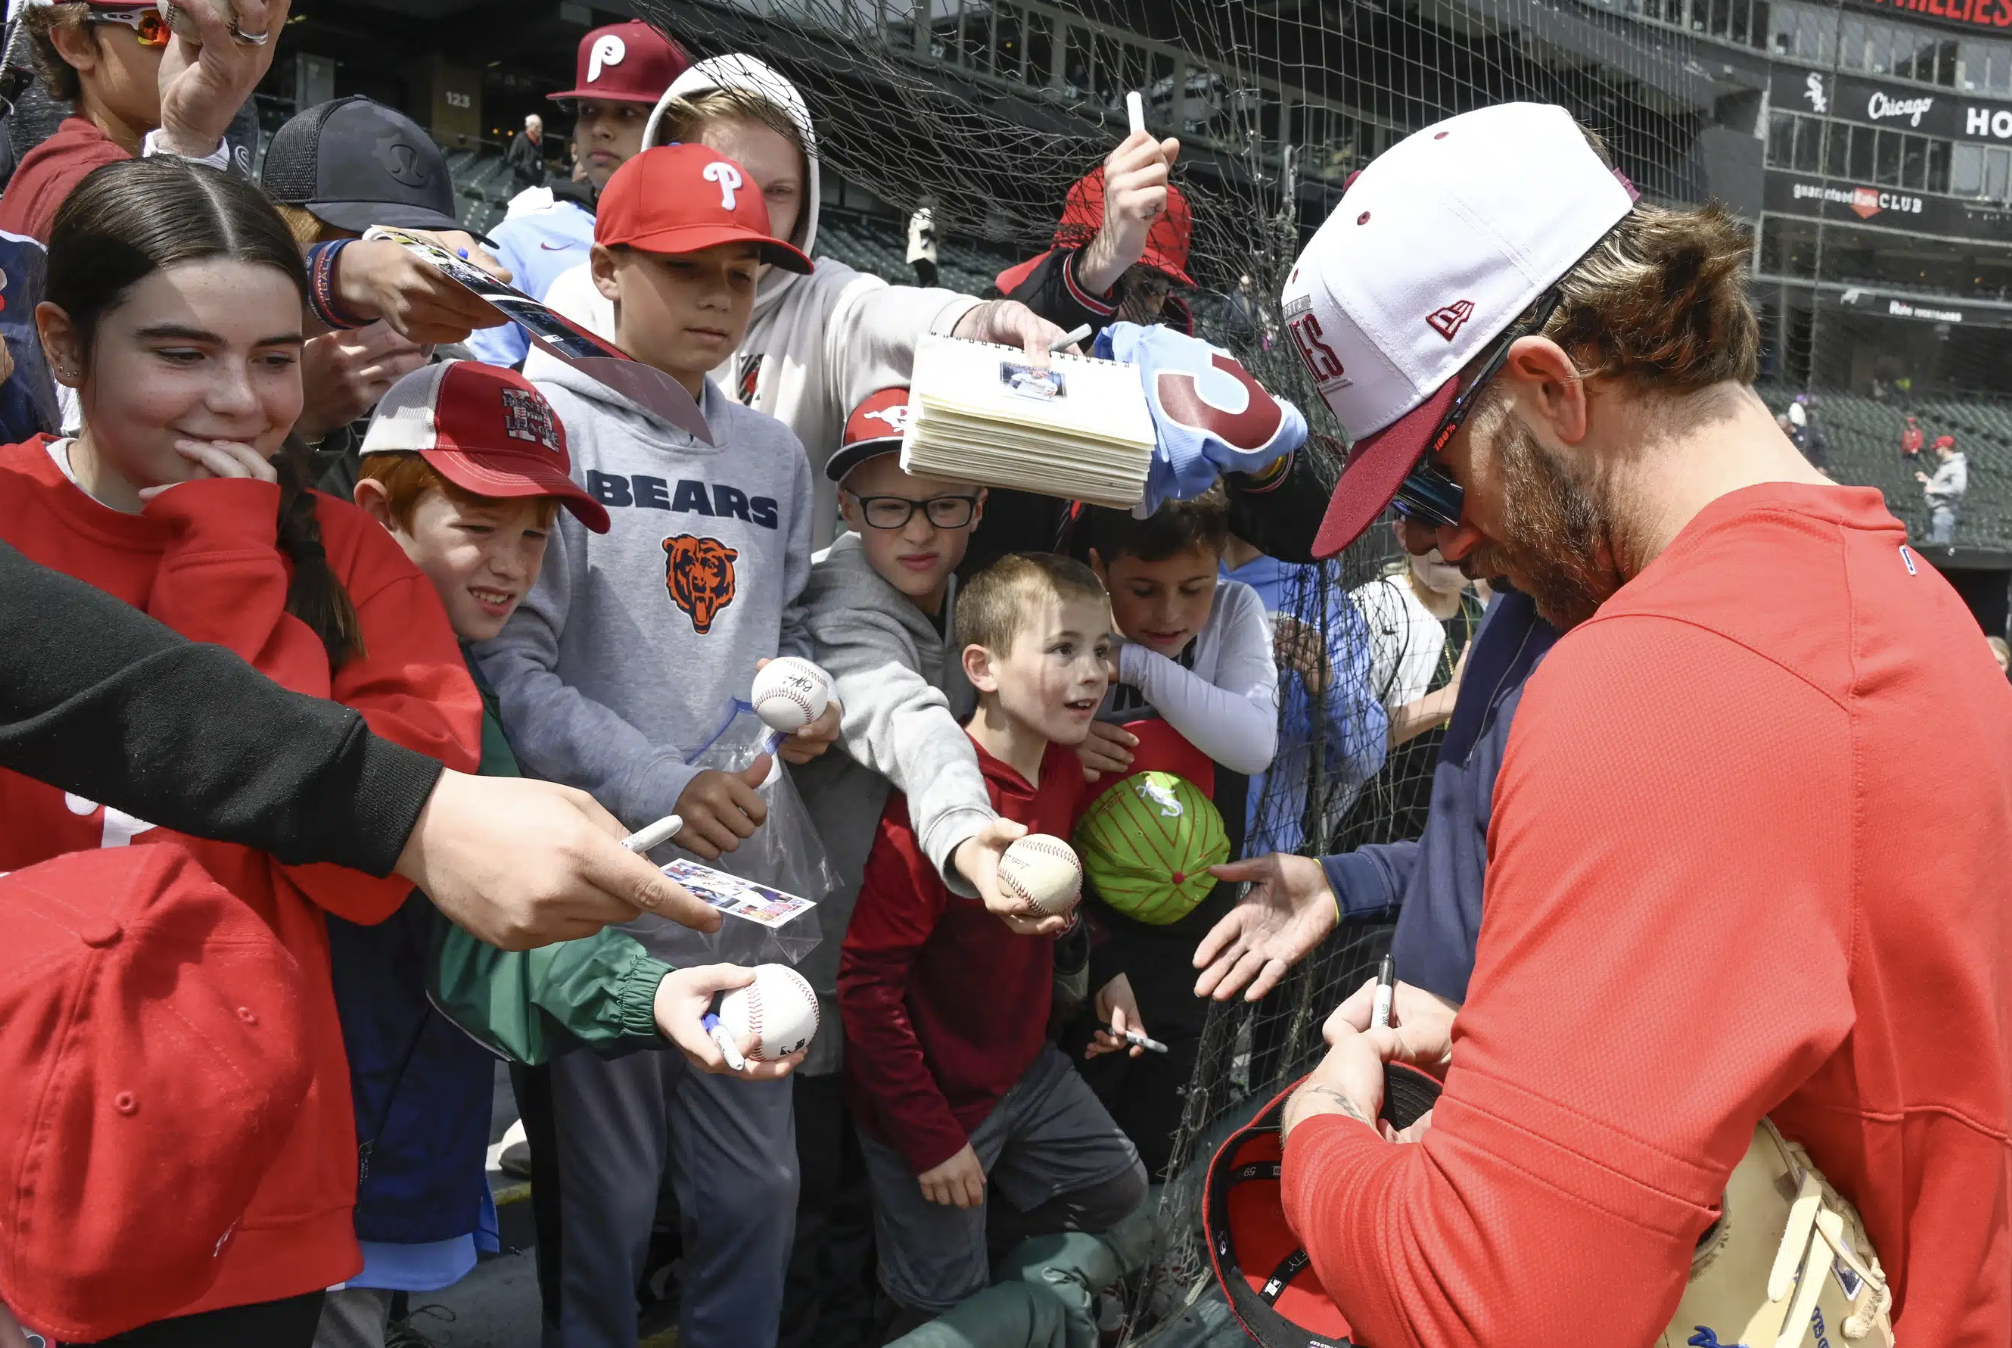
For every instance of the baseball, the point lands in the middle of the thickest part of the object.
(1043, 870)
(790, 693)
(772, 1017)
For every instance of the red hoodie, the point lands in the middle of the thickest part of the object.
(1748, 858)
(50, 172)
(944, 1008)
(203, 559)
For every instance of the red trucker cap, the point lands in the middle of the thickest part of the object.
(485, 429)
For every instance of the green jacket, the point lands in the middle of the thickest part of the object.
(530, 1006)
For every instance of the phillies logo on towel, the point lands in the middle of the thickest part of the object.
(1233, 407)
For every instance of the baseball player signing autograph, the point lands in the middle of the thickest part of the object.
(1696, 915)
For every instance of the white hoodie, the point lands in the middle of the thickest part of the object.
(817, 345)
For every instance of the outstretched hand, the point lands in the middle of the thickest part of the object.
(204, 80)
(523, 863)
(1288, 910)
(1137, 177)
(977, 860)
(1009, 323)
(684, 998)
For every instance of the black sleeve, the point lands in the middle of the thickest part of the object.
(1052, 291)
(99, 699)
(1278, 512)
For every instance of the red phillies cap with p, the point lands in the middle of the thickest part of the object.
(627, 63)
(1434, 250)
(486, 430)
(684, 198)
(153, 1032)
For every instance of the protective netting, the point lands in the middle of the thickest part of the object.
(988, 112)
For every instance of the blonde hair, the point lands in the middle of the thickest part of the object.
(305, 226)
(996, 604)
(685, 116)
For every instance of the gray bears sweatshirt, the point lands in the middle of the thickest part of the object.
(902, 686)
(626, 658)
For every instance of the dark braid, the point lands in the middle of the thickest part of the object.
(315, 597)
(126, 221)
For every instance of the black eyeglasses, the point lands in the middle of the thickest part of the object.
(1428, 494)
(894, 512)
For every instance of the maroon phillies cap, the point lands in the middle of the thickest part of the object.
(628, 63)
(153, 1037)
(685, 198)
(485, 429)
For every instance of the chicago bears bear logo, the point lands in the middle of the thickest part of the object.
(699, 572)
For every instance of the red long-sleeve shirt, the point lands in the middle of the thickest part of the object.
(944, 1008)
(202, 558)
(50, 172)
(1748, 858)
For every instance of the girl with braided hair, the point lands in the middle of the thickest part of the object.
(175, 307)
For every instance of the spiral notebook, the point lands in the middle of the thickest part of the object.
(1078, 429)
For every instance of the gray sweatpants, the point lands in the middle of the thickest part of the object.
(731, 1145)
(1049, 1149)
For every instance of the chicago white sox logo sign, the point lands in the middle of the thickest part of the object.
(729, 179)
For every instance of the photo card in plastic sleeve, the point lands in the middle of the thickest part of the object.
(742, 898)
(560, 337)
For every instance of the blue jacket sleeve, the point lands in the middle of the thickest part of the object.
(1369, 883)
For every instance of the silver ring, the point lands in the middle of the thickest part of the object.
(250, 39)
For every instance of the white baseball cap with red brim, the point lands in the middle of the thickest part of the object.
(487, 430)
(1434, 250)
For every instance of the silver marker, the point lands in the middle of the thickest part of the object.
(643, 839)
(1386, 988)
(1069, 339)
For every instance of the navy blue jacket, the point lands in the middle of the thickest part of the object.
(1434, 884)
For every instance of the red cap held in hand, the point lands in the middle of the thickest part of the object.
(685, 198)
(152, 1037)
(627, 63)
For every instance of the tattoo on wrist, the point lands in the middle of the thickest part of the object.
(1342, 1102)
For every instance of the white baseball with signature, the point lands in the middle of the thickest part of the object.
(790, 693)
(772, 1017)
(1043, 870)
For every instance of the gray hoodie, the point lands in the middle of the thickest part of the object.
(905, 697)
(626, 658)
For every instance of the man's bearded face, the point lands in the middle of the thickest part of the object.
(1557, 540)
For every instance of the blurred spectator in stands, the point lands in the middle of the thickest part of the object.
(1789, 428)
(620, 73)
(1810, 437)
(527, 154)
(1120, 249)
(922, 244)
(2001, 652)
(1328, 709)
(1910, 440)
(1421, 618)
(1944, 491)
(136, 89)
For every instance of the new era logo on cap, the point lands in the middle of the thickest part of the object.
(1435, 248)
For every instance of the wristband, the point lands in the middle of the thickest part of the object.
(321, 259)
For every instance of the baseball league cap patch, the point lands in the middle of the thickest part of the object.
(1434, 250)
(485, 429)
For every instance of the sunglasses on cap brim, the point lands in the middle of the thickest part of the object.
(1428, 493)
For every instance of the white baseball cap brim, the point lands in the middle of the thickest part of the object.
(1434, 250)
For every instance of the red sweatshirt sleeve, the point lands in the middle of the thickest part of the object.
(1663, 958)
(223, 579)
(901, 896)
